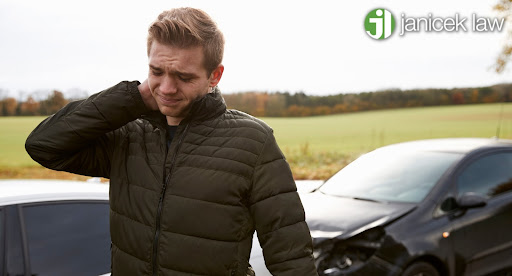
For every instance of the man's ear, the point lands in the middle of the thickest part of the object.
(216, 75)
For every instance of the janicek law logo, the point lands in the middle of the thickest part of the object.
(379, 24)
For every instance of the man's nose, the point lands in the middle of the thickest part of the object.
(168, 85)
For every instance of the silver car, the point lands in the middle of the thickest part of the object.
(58, 227)
(54, 227)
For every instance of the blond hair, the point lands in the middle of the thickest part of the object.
(189, 27)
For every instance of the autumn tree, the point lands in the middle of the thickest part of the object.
(53, 103)
(30, 107)
(504, 8)
(9, 106)
(276, 105)
(457, 98)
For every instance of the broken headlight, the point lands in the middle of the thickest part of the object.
(339, 257)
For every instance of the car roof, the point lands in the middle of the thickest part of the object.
(457, 145)
(26, 191)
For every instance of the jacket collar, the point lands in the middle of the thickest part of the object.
(208, 107)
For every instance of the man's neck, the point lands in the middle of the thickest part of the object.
(173, 121)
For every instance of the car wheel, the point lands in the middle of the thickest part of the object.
(420, 269)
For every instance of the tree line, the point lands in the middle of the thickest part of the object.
(9, 106)
(299, 104)
(284, 104)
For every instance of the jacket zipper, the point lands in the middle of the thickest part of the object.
(161, 201)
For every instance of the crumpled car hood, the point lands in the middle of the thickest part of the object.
(330, 216)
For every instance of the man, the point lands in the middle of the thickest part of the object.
(189, 180)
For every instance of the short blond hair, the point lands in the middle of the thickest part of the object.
(189, 27)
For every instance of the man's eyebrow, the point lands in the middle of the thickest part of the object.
(183, 74)
(155, 67)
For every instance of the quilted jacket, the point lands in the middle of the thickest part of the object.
(190, 208)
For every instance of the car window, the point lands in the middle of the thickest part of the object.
(398, 176)
(488, 176)
(68, 238)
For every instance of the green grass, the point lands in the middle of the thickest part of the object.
(14, 132)
(316, 147)
(360, 132)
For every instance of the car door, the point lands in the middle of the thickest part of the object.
(485, 241)
(58, 238)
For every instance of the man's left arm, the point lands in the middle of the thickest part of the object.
(279, 216)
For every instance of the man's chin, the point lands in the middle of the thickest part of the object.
(172, 112)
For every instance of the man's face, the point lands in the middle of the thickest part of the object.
(177, 78)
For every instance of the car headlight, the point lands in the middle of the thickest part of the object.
(338, 257)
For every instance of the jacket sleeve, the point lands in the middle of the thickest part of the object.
(279, 215)
(80, 137)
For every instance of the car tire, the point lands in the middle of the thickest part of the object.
(420, 269)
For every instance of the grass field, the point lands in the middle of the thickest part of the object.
(316, 147)
(360, 132)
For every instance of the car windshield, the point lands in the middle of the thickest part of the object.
(384, 175)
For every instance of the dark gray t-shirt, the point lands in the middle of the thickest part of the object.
(171, 130)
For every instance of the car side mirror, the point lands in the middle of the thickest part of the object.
(471, 200)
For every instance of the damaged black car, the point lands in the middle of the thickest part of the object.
(431, 207)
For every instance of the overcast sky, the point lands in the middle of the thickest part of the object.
(318, 47)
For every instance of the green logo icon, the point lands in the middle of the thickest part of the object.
(379, 24)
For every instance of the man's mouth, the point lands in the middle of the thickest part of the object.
(169, 101)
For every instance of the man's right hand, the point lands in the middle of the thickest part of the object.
(147, 97)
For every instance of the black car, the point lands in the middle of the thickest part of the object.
(431, 207)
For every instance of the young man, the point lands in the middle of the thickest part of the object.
(189, 180)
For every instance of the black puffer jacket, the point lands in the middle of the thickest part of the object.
(191, 209)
